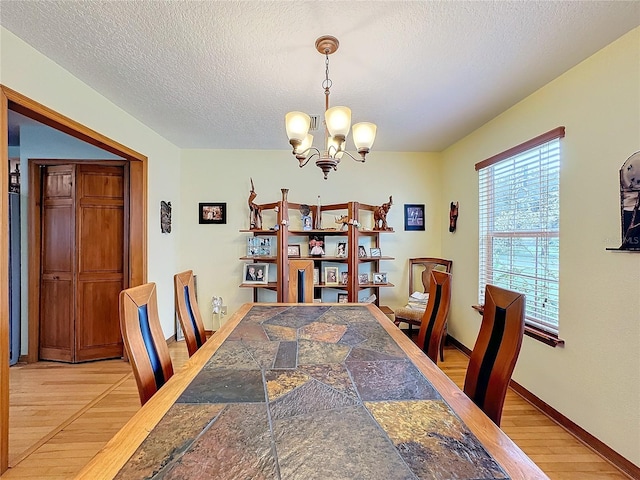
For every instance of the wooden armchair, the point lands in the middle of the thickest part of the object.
(143, 339)
(188, 311)
(434, 319)
(496, 350)
(419, 278)
(300, 281)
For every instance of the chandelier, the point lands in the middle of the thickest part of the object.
(337, 123)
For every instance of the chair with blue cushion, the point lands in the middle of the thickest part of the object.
(495, 353)
(188, 311)
(434, 320)
(144, 340)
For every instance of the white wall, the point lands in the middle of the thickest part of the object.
(595, 379)
(32, 74)
(213, 251)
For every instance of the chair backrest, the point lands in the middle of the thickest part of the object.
(143, 339)
(420, 270)
(300, 281)
(496, 350)
(435, 315)
(188, 311)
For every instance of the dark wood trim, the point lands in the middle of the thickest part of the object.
(557, 132)
(4, 295)
(577, 431)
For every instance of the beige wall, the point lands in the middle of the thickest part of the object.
(213, 251)
(595, 379)
(32, 74)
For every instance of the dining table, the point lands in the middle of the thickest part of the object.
(310, 391)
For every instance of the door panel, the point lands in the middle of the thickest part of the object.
(57, 298)
(100, 276)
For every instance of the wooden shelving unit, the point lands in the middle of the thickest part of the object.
(352, 235)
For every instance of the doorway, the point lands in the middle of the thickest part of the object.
(136, 239)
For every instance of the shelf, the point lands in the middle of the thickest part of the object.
(261, 259)
(336, 232)
(339, 286)
(260, 232)
(374, 232)
(270, 285)
(375, 285)
(372, 259)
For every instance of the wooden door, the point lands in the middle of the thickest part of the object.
(57, 280)
(82, 262)
(100, 264)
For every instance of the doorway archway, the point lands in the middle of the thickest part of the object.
(137, 237)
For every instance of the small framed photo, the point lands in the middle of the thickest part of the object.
(343, 298)
(379, 278)
(413, 216)
(341, 250)
(258, 247)
(316, 276)
(363, 278)
(293, 250)
(344, 278)
(255, 273)
(331, 276)
(212, 213)
(375, 252)
(362, 252)
(316, 245)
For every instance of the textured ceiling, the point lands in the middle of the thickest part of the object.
(222, 74)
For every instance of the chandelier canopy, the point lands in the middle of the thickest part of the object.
(337, 123)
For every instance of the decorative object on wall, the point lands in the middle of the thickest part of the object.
(630, 203)
(255, 213)
(453, 216)
(212, 213)
(380, 216)
(414, 216)
(337, 121)
(14, 175)
(165, 216)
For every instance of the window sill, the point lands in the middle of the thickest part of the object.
(532, 332)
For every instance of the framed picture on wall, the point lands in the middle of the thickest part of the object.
(212, 213)
(413, 216)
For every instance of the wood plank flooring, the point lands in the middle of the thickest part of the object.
(62, 415)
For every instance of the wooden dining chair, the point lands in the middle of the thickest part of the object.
(495, 353)
(144, 340)
(188, 311)
(434, 319)
(300, 281)
(419, 277)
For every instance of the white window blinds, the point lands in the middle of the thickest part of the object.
(519, 205)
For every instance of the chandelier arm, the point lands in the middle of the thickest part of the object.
(361, 159)
(303, 161)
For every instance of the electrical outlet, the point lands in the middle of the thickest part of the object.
(223, 310)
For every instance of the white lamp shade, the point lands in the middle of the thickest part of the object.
(338, 121)
(306, 143)
(364, 134)
(332, 148)
(297, 124)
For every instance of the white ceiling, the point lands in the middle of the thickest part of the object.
(222, 74)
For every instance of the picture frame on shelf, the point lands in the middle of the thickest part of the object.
(293, 250)
(341, 250)
(258, 247)
(362, 252)
(316, 276)
(331, 276)
(379, 278)
(316, 245)
(414, 216)
(343, 298)
(363, 278)
(344, 278)
(375, 252)
(212, 213)
(255, 273)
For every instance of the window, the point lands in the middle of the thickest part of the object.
(519, 205)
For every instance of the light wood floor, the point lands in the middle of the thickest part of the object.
(62, 415)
